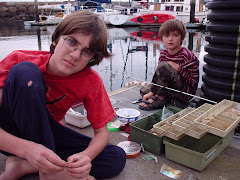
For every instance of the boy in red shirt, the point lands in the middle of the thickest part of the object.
(36, 90)
(178, 68)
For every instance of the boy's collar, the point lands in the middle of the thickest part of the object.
(175, 52)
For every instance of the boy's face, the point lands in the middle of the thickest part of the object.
(172, 40)
(71, 54)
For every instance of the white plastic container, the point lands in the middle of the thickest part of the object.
(76, 119)
(127, 115)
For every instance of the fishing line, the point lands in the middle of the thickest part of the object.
(165, 87)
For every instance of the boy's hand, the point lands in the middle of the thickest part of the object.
(79, 165)
(44, 159)
(173, 64)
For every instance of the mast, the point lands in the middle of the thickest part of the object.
(192, 10)
(68, 11)
(36, 11)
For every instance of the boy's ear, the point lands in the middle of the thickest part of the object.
(54, 43)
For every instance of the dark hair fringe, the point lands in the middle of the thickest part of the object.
(87, 23)
(173, 25)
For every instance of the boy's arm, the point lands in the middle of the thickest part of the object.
(98, 142)
(40, 157)
(79, 165)
(190, 72)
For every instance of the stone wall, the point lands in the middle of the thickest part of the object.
(17, 12)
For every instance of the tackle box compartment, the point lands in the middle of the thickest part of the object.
(139, 131)
(217, 119)
(196, 153)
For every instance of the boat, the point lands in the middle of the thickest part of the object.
(126, 14)
(101, 9)
(183, 10)
(106, 13)
(51, 18)
(152, 18)
(122, 20)
(47, 20)
(192, 15)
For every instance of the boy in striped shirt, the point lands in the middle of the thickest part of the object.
(178, 68)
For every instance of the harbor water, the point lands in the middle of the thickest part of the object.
(134, 57)
(136, 51)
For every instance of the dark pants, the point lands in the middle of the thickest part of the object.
(167, 76)
(24, 114)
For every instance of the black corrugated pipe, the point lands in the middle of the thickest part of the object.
(221, 79)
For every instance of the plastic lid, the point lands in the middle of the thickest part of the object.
(110, 128)
(132, 149)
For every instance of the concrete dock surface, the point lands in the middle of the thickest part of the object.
(226, 166)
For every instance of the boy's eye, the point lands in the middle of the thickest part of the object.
(86, 53)
(71, 42)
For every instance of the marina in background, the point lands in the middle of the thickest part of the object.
(136, 51)
(115, 13)
(135, 54)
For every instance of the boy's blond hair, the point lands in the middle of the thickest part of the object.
(173, 25)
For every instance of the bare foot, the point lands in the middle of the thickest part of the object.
(90, 178)
(63, 175)
(16, 167)
(143, 104)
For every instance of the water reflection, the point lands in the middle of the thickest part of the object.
(136, 54)
(136, 51)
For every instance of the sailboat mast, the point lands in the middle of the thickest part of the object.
(36, 11)
(192, 11)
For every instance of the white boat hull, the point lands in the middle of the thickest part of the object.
(122, 20)
(50, 20)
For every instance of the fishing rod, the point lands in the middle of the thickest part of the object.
(165, 87)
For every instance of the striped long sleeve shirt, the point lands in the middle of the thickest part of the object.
(188, 68)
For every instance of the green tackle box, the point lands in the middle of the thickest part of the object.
(196, 153)
(139, 132)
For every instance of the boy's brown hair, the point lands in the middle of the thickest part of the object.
(87, 23)
(173, 25)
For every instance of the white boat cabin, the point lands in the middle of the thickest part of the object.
(181, 9)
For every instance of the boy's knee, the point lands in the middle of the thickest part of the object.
(24, 72)
(24, 67)
(120, 161)
(115, 161)
(162, 64)
(145, 90)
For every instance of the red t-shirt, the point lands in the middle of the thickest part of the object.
(188, 68)
(85, 86)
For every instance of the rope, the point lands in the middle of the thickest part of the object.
(165, 87)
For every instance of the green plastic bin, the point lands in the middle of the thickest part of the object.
(139, 132)
(196, 153)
